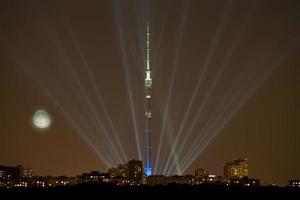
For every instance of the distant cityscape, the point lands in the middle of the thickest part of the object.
(132, 174)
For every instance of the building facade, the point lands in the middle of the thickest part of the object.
(135, 172)
(236, 169)
(27, 173)
(13, 173)
(294, 183)
(201, 173)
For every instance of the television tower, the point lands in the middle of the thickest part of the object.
(148, 115)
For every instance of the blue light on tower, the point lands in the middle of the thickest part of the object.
(148, 171)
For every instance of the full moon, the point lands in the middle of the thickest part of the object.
(41, 119)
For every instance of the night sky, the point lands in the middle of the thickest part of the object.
(231, 67)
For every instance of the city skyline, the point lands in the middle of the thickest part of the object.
(207, 171)
(133, 173)
(74, 85)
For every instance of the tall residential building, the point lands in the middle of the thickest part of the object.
(14, 173)
(135, 171)
(236, 169)
(148, 114)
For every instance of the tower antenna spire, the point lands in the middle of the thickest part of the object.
(148, 46)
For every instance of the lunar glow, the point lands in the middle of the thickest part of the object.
(41, 119)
